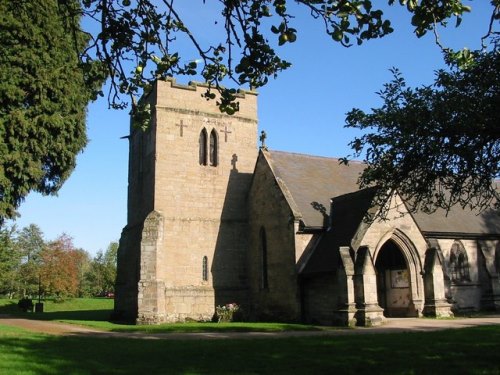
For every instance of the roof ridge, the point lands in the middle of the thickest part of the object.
(313, 156)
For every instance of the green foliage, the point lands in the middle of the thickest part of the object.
(28, 262)
(437, 146)
(151, 36)
(31, 245)
(10, 259)
(102, 271)
(44, 90)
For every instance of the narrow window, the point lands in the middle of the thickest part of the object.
(203, 147)
(205, 269)
(213, 148)
(497, 258)
(264, 282)
(459, 263)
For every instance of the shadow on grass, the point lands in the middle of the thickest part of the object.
(11, 308)
(213, 327)
(464, 351)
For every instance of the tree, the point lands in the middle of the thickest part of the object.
(31, 244)
(44, 91)
(10, 260)
(59, 269)
(438, 146)
(102, 272)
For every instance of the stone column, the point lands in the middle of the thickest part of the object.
(346, 308)
(151, 295)
(435, 300)
(365, 286)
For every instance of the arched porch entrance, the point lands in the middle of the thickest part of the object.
(394, 286)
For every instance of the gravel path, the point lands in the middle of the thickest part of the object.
(392, 325)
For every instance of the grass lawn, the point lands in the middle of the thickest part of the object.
(462, 351)
(95, 312)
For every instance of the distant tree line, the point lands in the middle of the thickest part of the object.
(30, 265)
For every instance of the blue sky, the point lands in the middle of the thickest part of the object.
(302, 111)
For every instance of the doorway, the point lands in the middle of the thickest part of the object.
(393, 281)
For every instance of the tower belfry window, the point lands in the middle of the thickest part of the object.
(203, 147)
(213, 148)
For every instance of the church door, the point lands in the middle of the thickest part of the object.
(393, 281)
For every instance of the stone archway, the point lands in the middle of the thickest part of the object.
(393, 281)
(398, 287)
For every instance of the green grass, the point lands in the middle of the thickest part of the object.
(460, 351)
(82, 309)
(198, 327)
(95, 313)
(463, 351)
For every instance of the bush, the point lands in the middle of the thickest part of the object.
(225, 313)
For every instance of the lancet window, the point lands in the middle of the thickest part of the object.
(459, 263)
(205, 268)
(209, 148)
(264, 282)
(203, 147)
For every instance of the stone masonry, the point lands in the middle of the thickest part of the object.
(186, 235)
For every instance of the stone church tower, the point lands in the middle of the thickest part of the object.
(183, 249)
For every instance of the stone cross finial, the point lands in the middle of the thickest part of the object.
(262, 138)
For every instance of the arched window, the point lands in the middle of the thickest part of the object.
(459, 264)
(213, 148)
(205, 269)
(264, 282)
(497, 258)
(203, 147)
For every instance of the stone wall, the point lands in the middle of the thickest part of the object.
(269, 210)
(320, 298)
(203, 207)
(464, 295)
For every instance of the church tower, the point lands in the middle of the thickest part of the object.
(183, 250)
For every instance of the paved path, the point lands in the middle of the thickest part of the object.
(392, 325)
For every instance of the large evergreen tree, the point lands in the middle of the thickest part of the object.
(44, 91)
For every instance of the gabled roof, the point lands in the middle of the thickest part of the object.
(347, 213)
(312, 181)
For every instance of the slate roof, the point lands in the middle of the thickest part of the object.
(313, 181)
(459, 221)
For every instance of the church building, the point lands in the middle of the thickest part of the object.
(215, 219)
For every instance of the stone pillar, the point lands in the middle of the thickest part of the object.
(127, 276)
(365, 286)
(151, 295)
(435, 300)
(346, 308)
